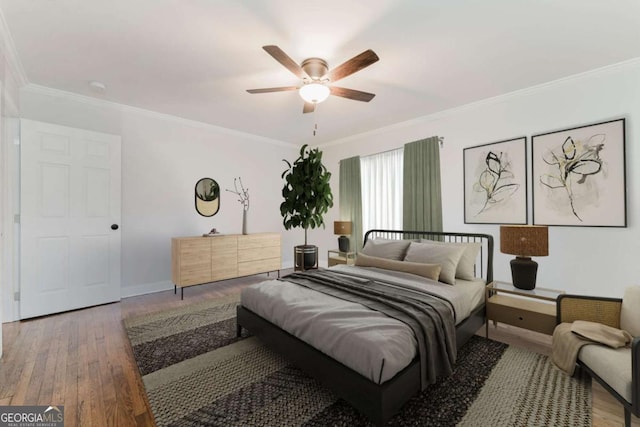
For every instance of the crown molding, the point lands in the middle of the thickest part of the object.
(608, 69)
(9, 50)
(123, 108)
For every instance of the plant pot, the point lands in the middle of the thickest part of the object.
(305, 257)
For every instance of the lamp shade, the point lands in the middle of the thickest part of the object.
(314, 92)
(342, 228)
(524, 240)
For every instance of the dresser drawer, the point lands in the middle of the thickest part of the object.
(257, 241)
(261, 266)
(257, 254)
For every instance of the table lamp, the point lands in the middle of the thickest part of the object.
(524, 241)
(343, 229)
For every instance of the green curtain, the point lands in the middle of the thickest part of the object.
(351, 199)
(422, 197)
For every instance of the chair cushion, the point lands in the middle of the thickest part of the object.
(612, 365)
(629, 314)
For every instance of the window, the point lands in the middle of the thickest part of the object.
(381, 176)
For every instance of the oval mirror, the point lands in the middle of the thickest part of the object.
(207, 197)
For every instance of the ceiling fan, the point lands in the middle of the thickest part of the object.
(317, 79)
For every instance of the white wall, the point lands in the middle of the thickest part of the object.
(162, 158)
(586, 260)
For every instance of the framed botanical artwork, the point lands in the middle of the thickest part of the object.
(578, 176)
(495, 182)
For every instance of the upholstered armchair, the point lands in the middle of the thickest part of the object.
(618, 370)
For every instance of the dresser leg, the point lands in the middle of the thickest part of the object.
(181, 293)
(175, 289)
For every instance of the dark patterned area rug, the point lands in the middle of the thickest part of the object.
(196, 373)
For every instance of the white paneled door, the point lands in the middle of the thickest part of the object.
(69, 218)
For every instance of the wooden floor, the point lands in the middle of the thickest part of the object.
(83, 360)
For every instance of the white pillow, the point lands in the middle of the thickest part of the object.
(629, 313)
(445, 255)
(386, 248)
(465, 269)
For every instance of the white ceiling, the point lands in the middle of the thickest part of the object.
(196, 58)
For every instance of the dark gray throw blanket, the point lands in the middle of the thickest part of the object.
(430, 317)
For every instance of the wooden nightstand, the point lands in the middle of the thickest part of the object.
(335, 257)
(534, 310)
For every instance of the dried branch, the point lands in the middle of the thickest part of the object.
(242, 193)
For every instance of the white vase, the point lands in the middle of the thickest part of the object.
(244, 221)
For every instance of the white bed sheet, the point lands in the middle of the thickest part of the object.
(370, 343)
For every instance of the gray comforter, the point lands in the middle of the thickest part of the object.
(430, 317)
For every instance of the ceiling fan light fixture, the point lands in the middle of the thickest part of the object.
(316, 77)
(314, 92)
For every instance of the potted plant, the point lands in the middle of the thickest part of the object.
(307, 197)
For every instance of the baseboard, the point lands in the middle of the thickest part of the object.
(145, 288)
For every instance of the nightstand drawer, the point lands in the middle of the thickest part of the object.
(335, 257)
(532, 315)
(337, 261)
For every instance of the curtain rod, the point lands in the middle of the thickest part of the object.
(440, 140)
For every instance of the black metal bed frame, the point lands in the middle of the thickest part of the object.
(379, 402)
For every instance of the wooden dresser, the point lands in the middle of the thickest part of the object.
(198, 260)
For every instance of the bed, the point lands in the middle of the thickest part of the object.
(267, 311)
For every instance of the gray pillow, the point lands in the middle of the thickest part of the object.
(445, 255)
(465, 269)
(386, 248)
(430, 271)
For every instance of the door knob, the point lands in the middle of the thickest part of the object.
(114, 226)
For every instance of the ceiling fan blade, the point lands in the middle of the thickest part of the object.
(356, 95)
(309, 107)
(272, 89)
(279, 55)
(356, 63)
